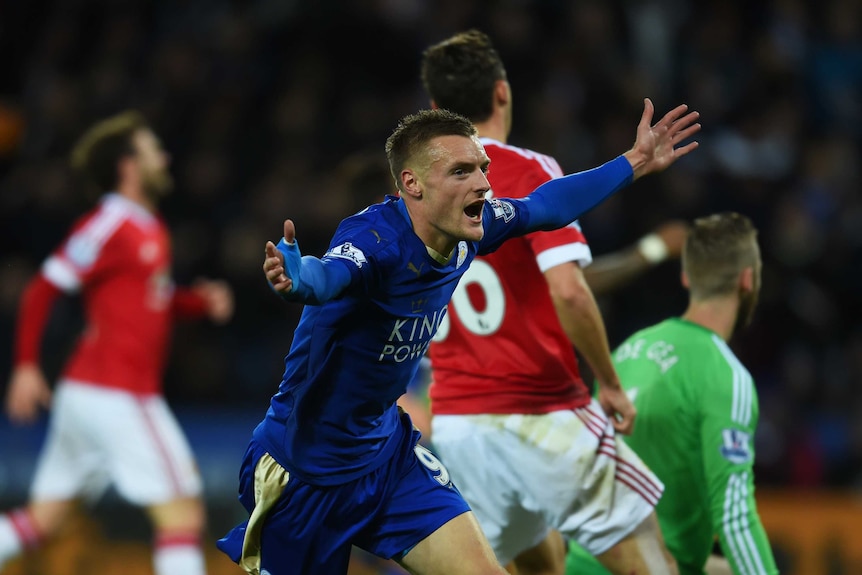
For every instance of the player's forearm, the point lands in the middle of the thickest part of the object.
(735, 519)
(35, 309)
(614, 270)
(314, 281)
(747, 548)
(560, 201)
(582, 322)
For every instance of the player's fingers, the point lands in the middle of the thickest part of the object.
(283, 286)
(289, 231)
(270, 250)
(646, 117)
(673, 115)
(685, 121)
(683, 150)
(685, 134)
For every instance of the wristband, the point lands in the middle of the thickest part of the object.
(652, 248)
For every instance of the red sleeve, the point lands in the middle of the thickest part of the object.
(35, 308)
(188, 304)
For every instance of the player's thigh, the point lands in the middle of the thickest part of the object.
(456, 548)
(150, 458)
(501, 474)
(419, 498)
(641, 551)
(549, 556)
(71, 464)
(615, 490)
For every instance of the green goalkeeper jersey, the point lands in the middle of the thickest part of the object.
(696, 415)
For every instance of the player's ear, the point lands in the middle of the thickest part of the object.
(683, 279)
(502, 92)
(410, 184)
(746, 280)
(434, 105)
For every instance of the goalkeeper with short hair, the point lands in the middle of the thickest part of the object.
(697, 407)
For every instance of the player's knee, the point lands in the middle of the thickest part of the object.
(185, 515)
(49, 516)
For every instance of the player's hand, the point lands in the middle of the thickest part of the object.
(618, 407)
(218, 296)
(657, 146)
(273, 263)
(28, 391)
(673, 233)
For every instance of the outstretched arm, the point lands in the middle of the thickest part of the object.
(305, 279)
(562, 200)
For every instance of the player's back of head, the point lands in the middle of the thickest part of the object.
(460, 73)
(717, 249)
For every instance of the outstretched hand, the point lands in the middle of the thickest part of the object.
(273, 263)
(657, 146)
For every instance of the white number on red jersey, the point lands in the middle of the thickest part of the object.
(483, 322)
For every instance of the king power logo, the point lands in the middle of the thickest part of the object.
(410, 336)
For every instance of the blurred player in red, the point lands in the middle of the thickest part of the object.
(505, 380)
(109, 421)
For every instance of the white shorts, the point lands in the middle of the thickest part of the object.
(524, 475)
(99, 436)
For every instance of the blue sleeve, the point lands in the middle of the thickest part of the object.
(315, 281)
(560, 201)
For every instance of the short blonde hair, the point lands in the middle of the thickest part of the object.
(717, 249)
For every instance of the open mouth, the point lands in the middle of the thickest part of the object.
(474, 211)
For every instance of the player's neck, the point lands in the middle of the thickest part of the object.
(717, 314)
(494, 128)
(137, 195)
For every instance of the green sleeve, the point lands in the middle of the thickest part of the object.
(729, 417)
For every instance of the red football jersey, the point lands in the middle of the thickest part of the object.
(118, 256)
(502, 348)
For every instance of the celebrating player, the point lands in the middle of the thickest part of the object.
(335, 462)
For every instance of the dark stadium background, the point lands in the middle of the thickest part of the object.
(279, 108)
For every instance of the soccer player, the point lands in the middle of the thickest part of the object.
(335, 462)
(109, 421)
(505, 377)
(697, 406)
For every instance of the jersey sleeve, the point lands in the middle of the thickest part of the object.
(729, 417)
(361, 249)
(83, 253)
(554, 247)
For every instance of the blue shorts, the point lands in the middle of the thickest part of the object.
(311, 528)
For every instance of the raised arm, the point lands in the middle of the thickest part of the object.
(299, 278)
(559, 201)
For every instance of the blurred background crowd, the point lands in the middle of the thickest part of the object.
(280, 108)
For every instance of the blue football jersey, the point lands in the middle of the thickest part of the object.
(334, 417)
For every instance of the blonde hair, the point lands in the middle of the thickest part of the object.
(717, 249)
(98, 151)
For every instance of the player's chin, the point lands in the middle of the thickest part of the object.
(473, 232)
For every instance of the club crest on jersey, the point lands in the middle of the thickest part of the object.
(348, 251)
(736, 446)
(462, 254)
(502, 209)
